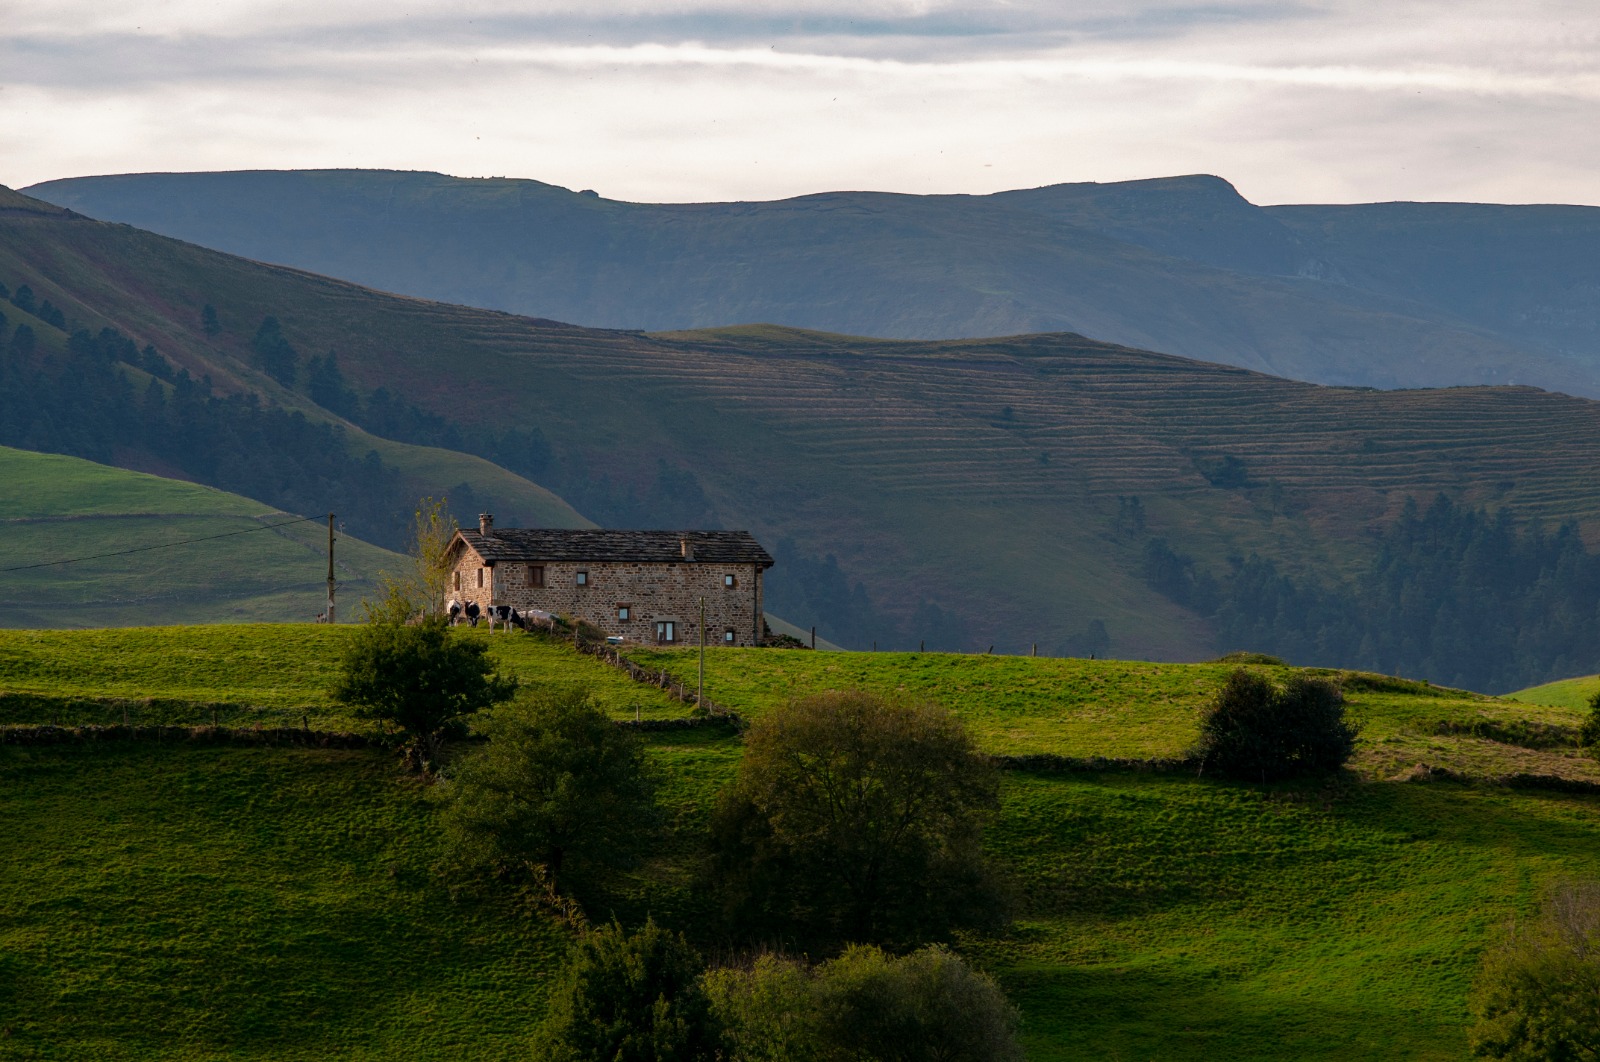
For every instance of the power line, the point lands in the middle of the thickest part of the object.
(164, 545)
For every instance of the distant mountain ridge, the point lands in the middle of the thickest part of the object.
(1385, 295)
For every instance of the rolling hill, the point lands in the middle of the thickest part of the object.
(250, 563)
(969, 493)
(1390, 295)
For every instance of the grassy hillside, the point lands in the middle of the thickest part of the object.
(273, 674)
(983, 480)
(1183, 265)
(61, 508)
(1572, 694)
(102, 275)
(1162, 916)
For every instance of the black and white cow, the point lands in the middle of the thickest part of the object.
(473, 611)
(454, 608)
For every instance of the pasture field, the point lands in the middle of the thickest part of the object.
(1019, 705)
(245, 562)
(1572, 693)
(198, 903)
(272, 674)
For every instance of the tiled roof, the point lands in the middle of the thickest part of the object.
(605, 544)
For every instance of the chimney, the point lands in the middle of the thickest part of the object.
(686, 548)
(485, 523)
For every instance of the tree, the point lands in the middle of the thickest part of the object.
(859, 818)
(865, 1006)
(208, 320)
(558, 785)
(423, 588)
(274, 353)
(1537, 995)
(1257, 730)
(419, 681)
(629, 997)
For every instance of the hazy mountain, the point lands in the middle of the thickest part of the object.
(1398, 295)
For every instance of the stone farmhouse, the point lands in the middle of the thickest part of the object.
(644, 586)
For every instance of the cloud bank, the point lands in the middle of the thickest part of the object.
(1322, 100)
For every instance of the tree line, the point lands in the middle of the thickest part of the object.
(1453, 594)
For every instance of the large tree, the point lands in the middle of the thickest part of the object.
(856, 818)
(558, 786)
(420, 680)
(1255, 730)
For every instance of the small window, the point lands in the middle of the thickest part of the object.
(583, 578)
(730, 581)
(536, 576)
(727, 635)
(624, 611)
(457, 585)
(480, 578)
(666, 632)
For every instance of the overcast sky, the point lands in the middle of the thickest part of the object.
(1314, 101)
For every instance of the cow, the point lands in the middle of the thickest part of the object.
(500, 614)
(473, 612)
(454, 608)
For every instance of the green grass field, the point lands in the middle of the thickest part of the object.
(274, 674)
(64, 508)
(1572, 693)
(1073, 707)
(197, 903)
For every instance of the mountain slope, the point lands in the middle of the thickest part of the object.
(1183, 265)
(962, 493)
(253, 565)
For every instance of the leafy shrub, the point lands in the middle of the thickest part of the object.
(865, 1006)
(1537, 995)
(859, 818)
(557, 786)
(629, 997)
(419, 681)
(1257, 730)
(1589, 735)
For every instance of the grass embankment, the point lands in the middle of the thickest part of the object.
(199, 903)
(1139, 710)
(242, 674)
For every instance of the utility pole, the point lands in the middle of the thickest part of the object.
(700, 694)
(330, 568)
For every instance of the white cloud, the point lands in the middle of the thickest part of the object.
(1330, 100)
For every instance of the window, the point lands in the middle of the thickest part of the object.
(727, 636)
(480, 578)
(666, 632)
(730, 581)
(624, 611)
(583, 578)
(536, 576)
(457, 584)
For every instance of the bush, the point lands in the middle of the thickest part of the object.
(865, 1006)
(419, 681)
(1589, 735)
(1257, 730)
(557, 786)
(768, 1012)
(1537, 995)
(629, 997)
(856, 818)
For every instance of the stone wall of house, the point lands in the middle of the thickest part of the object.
(652, 593)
